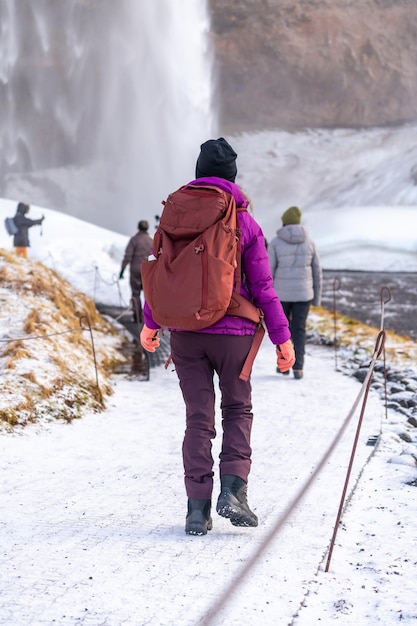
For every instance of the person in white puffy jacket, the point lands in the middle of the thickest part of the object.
(297, 273)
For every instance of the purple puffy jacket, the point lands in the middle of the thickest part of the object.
(257, 284)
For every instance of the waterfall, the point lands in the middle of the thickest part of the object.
(104, 104)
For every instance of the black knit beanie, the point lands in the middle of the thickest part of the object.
(143, 226)
(217, 158)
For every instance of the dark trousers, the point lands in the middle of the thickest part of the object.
(137, 305)
(297, 313)
(197, 357)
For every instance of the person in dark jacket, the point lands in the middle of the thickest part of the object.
(138, 249)
(222, 349)
(23, 223)
(297, 273)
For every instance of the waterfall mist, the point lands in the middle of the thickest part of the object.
(104, 104)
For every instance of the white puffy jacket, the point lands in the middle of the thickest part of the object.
(295, 265)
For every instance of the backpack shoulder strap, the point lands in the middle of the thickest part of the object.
(239, 251)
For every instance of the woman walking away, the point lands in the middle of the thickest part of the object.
(297, 273)
(222, 349)
(23, 223)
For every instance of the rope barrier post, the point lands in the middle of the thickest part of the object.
(117, 281)
(85, 317)
(378, 348)
(336, 287)
(138, 314)
(384, 301)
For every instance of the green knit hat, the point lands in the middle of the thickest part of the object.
(291, 216)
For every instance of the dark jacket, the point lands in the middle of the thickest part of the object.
(138, 249)
(23, 223)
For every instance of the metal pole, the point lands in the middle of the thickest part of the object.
(378, 348)
(336, 287)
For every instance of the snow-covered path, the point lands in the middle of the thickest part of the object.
(92, 513)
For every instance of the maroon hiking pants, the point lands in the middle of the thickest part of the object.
(197, 356)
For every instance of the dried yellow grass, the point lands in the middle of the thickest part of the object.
(56, 341)
(349, 332)
(33, 324)
(8, 256)
(30, 376)
(9, 416)
(15, 350)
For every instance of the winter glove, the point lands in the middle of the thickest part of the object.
(121, 274)
(285, 356)
(149, 338)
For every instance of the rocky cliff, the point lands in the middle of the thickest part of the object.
(286, 64)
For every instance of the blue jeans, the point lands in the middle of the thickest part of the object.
(297, 313)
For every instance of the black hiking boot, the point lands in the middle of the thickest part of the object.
(233, 504)
(198, 520)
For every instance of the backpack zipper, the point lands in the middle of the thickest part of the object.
(202, 250)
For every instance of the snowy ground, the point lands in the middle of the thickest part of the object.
(92, 512)
(92, 524)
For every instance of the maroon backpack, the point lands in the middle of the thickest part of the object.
(189, 285)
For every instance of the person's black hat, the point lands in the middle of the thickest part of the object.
(217, 158)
